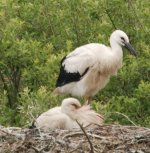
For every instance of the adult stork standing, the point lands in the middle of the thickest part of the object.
(87, 69)
(65, 116)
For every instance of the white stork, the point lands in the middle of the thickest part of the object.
(65, 117)
(87, 69)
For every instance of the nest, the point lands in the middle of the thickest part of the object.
(100, 139)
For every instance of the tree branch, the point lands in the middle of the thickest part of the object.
(91, 145)
(113, 23)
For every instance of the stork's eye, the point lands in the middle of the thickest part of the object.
(122, 38)
(76, 106)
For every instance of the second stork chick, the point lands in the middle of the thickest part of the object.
(65, 116)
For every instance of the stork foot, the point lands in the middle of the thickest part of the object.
(90, 100)
(87, 101)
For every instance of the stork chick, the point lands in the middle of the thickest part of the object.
(65, 117)
(87, 69)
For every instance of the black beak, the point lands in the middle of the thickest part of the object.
(130, 48)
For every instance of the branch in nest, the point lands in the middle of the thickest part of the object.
(91, 145)
(18, 136)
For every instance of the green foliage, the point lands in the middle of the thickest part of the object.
(35, 35)
(32, 104)
(135, 107)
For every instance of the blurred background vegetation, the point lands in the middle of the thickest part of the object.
(36, 34)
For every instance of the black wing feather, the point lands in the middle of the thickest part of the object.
(67, 77)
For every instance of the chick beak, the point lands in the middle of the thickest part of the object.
(130, 48)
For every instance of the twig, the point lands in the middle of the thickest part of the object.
(74, 150)
(34, 120)
(137, 17)
(126, 117)
(36, 149)
(96, 136)
(88, 134)
(113, 23)
(78, 146)
(72, 134)
(12, 134)
(47, 14)
(74, 19)
(91, 145)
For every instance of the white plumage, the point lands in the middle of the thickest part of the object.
(87, 69)
(65, 117)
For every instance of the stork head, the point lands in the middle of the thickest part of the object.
(69, 106)
(122, 39)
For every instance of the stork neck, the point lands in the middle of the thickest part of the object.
(70, 113)
(116, 48)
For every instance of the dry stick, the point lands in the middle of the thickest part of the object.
(12, 134)
(35, 149)
(74, 150)
(77, 147)
(137, 17)
(49, 18)
(113, 23)
(36, 126)
(88, 134)
(8, 133)
(91, 145)
(126, 117)
(72, 134)
(74, 21)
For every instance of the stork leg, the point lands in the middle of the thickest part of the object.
(85, 100)
(90, 100)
